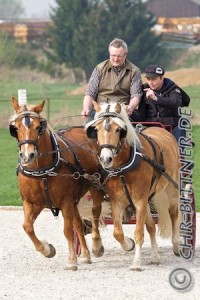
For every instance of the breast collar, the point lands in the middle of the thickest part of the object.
(132, 164)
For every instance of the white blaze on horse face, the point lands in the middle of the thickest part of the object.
(27, 150)
(108, 140)
(106, 158)
(106, 155)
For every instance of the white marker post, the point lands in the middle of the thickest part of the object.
(22, 98)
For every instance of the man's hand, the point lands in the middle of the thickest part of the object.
(85, 113)
(129, 109)
(150, 94)
(133, 104)
(87, 104)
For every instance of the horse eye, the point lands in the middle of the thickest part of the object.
(38, 127)
(118, 129)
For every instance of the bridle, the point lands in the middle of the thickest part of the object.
(45, 171)
(106, 116)
(27, 115)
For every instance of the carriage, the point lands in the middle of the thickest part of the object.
(55, 171)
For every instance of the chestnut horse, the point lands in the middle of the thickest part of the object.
(139, 167)
(51, 174)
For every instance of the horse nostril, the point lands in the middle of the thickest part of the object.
(109, 160)
(31, 156)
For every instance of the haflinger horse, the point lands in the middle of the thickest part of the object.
(50, 174)
(139, 166)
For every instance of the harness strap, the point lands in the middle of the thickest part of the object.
(123, 180)
(161, 168)
(155, 160)
(54, 210)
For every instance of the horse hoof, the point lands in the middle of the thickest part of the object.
(133, 245)
(71, 268)
(176, 253)
(137, 269)
(98, 253)
(52, 251)
(85, 260)
(155, 263)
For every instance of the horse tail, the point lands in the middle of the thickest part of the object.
(162, 203)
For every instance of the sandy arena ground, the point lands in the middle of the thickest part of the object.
(26, 274)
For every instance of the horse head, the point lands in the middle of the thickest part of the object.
(27, 126)
(111, 128)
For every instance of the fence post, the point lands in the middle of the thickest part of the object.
(48, 109)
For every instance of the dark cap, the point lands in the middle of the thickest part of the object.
(154, 71)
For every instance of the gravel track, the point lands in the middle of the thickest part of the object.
(26, 274)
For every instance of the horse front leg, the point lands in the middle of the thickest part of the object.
(97, 246)
(31, 212)
(118, 207)
(68, 216)
(141, 214)
(78, 225)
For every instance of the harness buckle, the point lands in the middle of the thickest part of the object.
(139, 127)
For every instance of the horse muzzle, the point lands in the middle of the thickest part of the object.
(107, 154)
(28, 152)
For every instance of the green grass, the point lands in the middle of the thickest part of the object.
(196, 171)
(9, 193)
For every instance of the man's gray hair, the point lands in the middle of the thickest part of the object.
(117, 43)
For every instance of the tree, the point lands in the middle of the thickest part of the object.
(82, 30)
(8, 51)
(11, 9)
(67, 19)
(131, 22)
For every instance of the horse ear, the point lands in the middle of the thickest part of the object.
(96, 106)
(15, 103)
(39, 107)
(118, 108)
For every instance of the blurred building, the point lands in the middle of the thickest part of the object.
(174, 8)
(27, 30)
(177, 20)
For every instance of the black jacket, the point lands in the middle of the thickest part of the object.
(165, 109)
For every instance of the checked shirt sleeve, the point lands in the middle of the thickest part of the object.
(93, 85)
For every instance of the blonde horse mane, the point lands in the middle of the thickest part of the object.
(123, 121)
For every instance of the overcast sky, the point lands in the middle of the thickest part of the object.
(37, 8)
